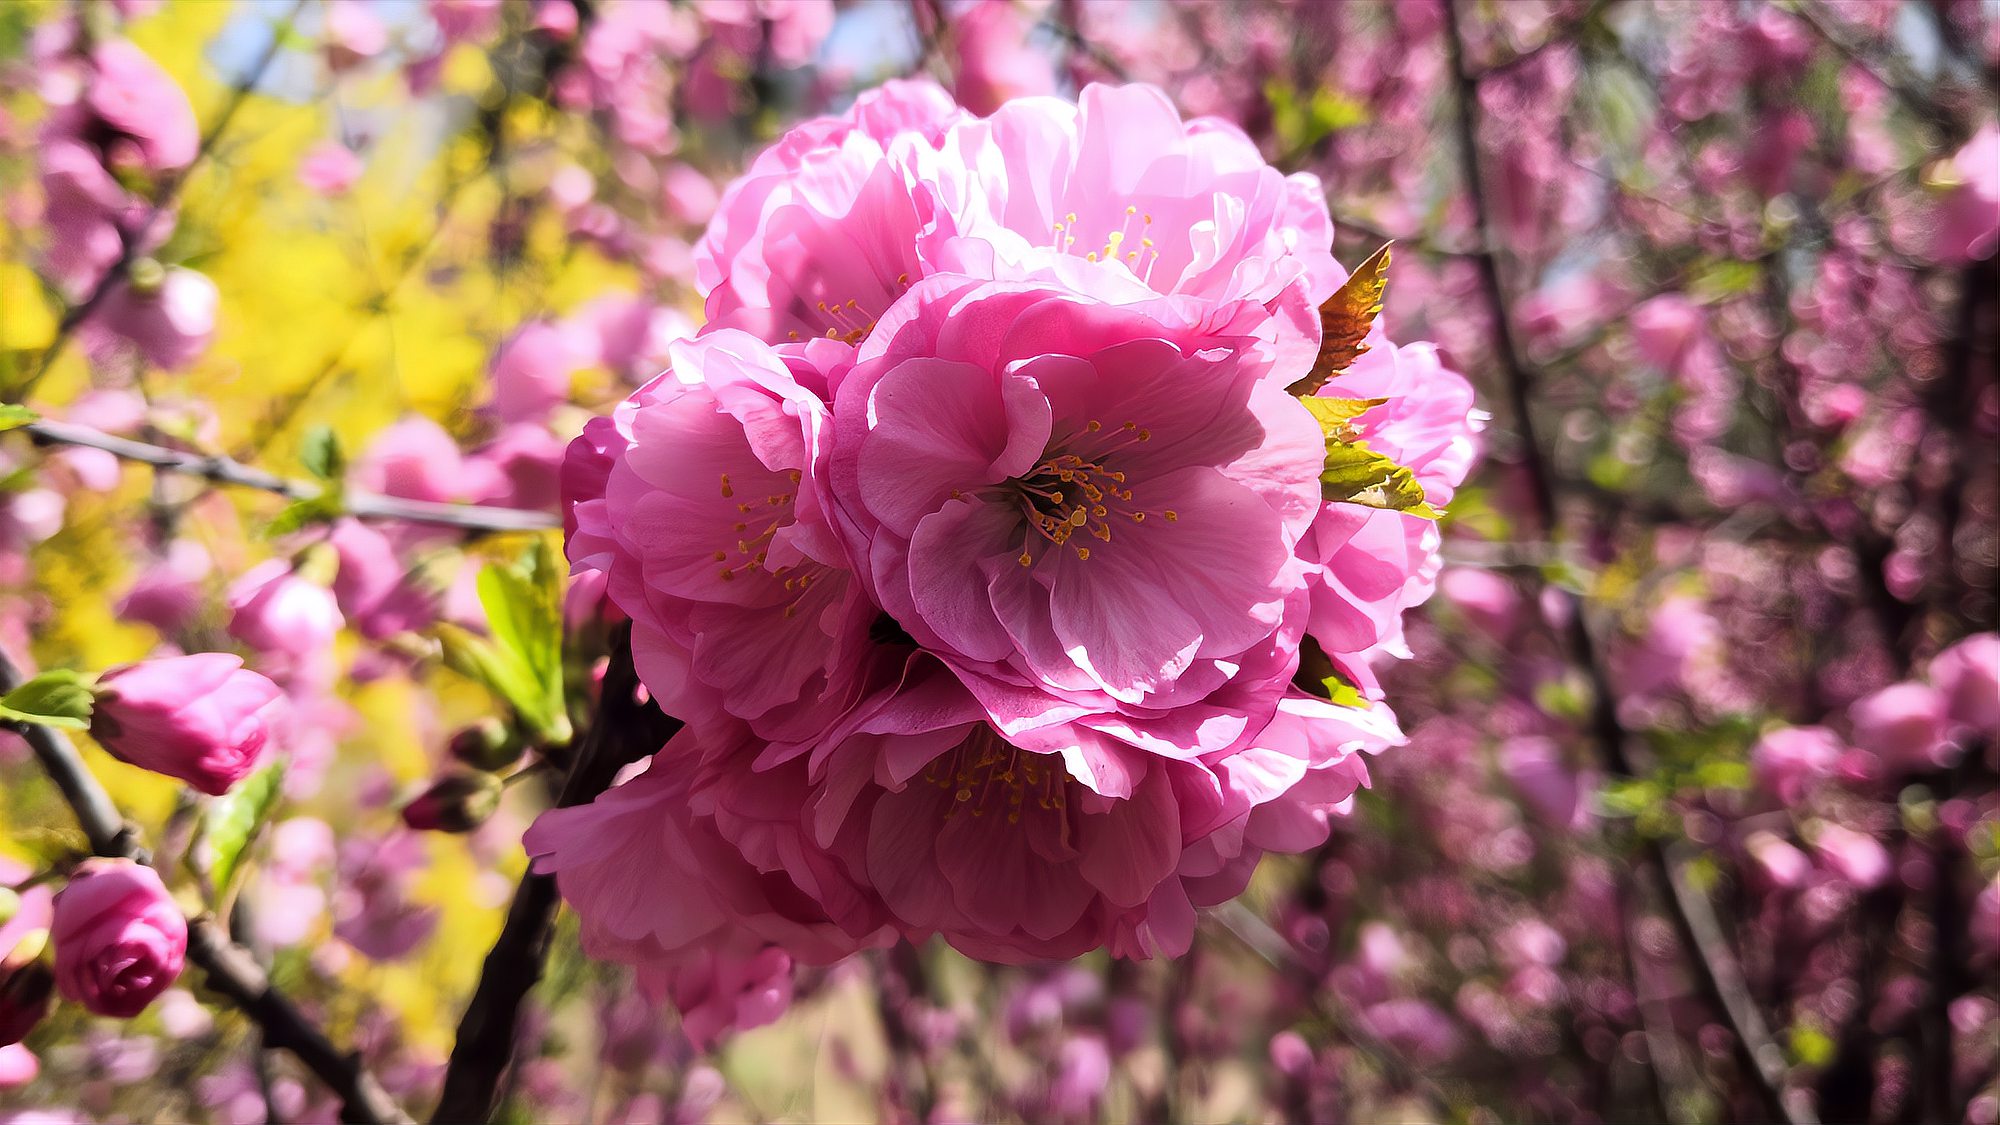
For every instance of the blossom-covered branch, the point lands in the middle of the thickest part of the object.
(231, 970)
(1715, 964)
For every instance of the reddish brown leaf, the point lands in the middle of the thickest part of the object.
(1344, 321)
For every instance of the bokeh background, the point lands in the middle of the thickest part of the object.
(1723, 273)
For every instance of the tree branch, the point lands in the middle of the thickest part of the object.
(226, 470)
(231, 970)
(1693, 915)
(623, 731)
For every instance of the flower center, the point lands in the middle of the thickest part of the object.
(984, 772)
(757, 521)
(848, 321)
(1139, 261)
(1069, 493)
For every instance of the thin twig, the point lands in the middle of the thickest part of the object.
(623, 731)
(1693, 916)
(230, 969)
(227, 470)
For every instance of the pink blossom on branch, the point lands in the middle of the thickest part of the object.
(204, 719)
(118, 936)
(975, 540)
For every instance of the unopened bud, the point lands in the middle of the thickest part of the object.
(147, 276)
(488, 745)
(26, 987)
(457, 802)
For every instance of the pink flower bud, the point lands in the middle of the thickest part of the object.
(119, 938)
(456, 802)
(1904, 725)
(166, 315)
(203, 718)
(1968, 676)
(278, 611)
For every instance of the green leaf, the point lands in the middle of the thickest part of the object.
(321, 454)
(1356, 474)
(522, 660)
(232, 820)
(1318, 675)
(60, 698)
(324, 508)
(1299, 122)
(13, 416)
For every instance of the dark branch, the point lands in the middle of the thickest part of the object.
(623, 731)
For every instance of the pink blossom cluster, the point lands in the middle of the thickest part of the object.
(119, 128)
(976, 540)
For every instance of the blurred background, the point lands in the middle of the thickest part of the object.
(1695, 824)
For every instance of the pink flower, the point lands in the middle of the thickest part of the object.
(1968, 676)
(119, 938)
(524, 461)
(1373, 565)
(26, 988)
(143, 106)
(1666, 329)
(718, 993)
(1789, 760)
(1013, 854)
(204, 719)
(168, 316)
(417, 460)
(329, 168)
(275, 610)
(664, 876)
(1780, 862)
(373, 589)
(1904, 725)
(1083, 1070)
(531, 371)
(168, 593)
(1071, 497)
(1854, 856)
(354, 34)
(690, 497)
(1968, 221)
(823, 232)
(461, 20)
(1120, 186)
(995, 60)
(84, 210)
